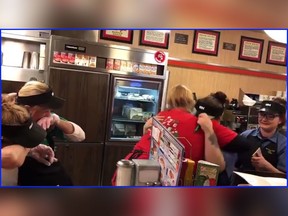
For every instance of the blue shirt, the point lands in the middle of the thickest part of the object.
(279, 140)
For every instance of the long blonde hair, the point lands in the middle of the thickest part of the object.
(13, 114)
(180, 97)
(33, 88)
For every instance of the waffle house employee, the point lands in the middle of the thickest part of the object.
(268, 145)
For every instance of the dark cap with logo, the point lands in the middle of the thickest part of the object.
(27, 135)
(272, 107)
(203, 107)
(47, 99)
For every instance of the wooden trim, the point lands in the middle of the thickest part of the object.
(202, 66)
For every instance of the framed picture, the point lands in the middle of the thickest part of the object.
(276, 53)
(124, 36)
(206, 42)
(251, 49)
(154, 38)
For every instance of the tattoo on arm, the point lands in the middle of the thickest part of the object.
(213, 139)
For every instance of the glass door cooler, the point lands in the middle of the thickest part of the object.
(133, 102)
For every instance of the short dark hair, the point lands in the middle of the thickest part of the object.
(282, 116)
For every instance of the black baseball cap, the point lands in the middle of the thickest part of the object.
(47, 99)
(27, 135)
(203, 107)
(272, 107)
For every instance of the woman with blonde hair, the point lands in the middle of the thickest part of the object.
(20, 137)
(39, 99)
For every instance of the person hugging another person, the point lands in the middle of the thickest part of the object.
(39, 100)
(20, 138)
(200, 145)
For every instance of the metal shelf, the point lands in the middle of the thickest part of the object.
(35, 38)
(124, 139)
(21, 74)
(135, 100)
(123, 119)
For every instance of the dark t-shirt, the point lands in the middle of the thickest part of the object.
(33, 173)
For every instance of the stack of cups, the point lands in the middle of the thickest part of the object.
(42, 57)
(26, 60)
(34, 64)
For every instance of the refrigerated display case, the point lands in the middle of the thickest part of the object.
(134, 101)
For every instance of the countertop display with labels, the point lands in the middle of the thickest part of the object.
(168, 151)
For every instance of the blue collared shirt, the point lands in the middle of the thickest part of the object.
(279, 140)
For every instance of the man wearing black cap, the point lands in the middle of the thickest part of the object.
(39, 100)
(268, 145)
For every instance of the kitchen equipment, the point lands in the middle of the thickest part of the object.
(125, 173)
(34, 63)
(26, 59)
(146, 171)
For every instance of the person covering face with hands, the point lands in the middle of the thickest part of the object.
(20, 138)
(39, 99)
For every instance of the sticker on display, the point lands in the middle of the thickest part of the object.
(160, 56)
(156, 134)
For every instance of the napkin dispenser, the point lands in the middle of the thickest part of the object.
(147, 172)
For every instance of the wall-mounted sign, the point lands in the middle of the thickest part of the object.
(206, 42)
(276, 53)
(124, 36)
(181, 38)
(251, 49)
(229, 46)
(154, 38)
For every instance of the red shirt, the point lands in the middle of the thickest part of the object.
(224, 134)
(182, 125)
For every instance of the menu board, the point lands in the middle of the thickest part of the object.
(168, 151)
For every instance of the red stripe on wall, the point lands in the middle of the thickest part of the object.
(222, 69)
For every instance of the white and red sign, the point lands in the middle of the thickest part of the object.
(159, 56)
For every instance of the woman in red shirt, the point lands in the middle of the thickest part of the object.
(199, 145)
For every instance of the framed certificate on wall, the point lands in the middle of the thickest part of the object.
(276, 53)
(124, 36)
(251, 49)
(154, 38)
(206, 42)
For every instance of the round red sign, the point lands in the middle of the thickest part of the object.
(159, 56)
